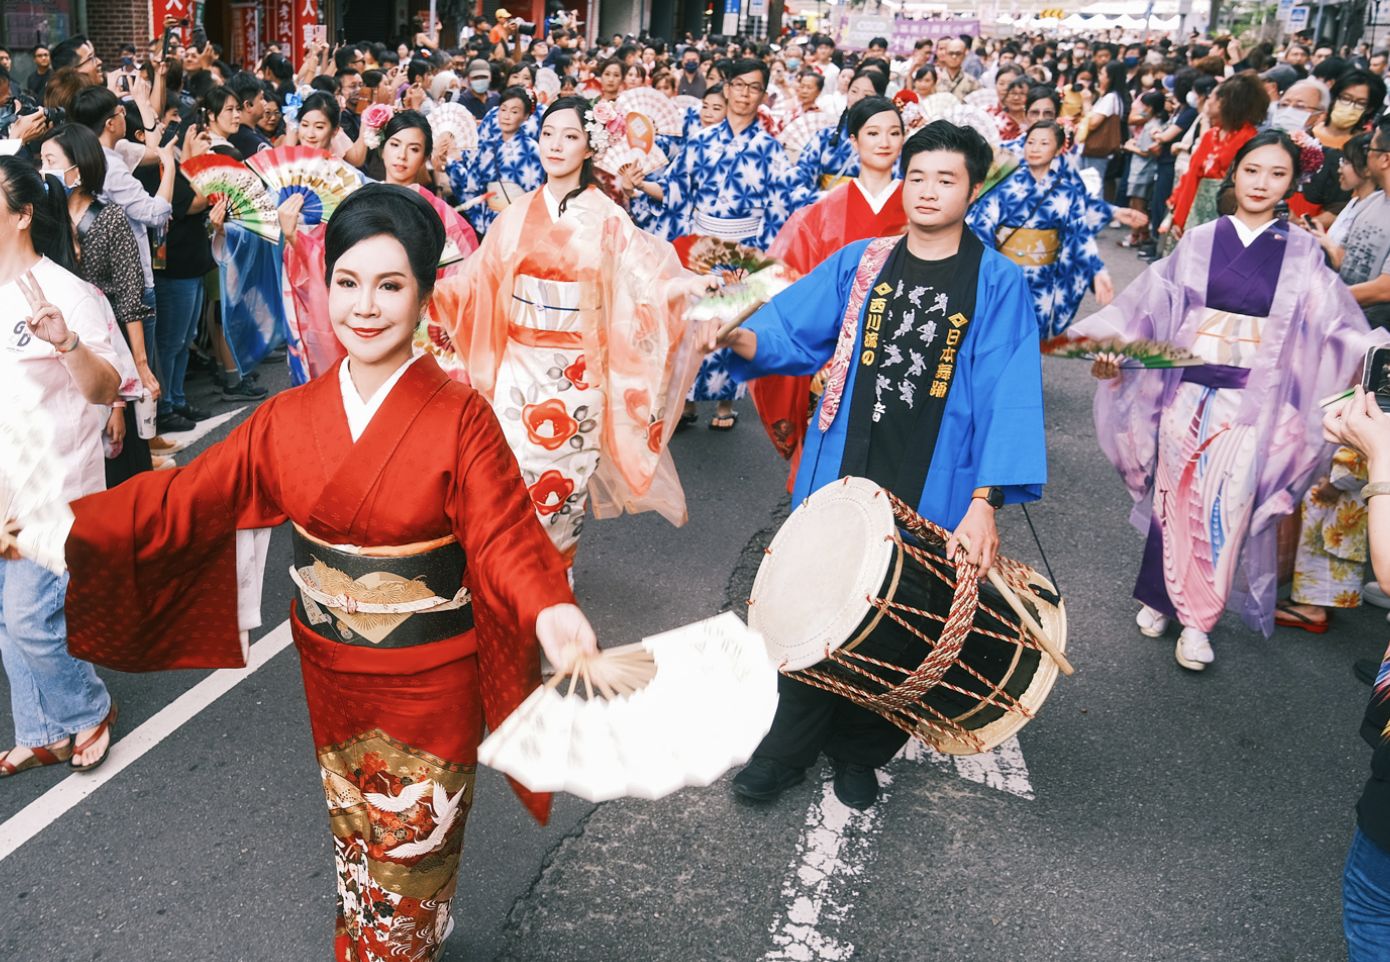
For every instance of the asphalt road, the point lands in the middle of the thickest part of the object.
(1147, 814)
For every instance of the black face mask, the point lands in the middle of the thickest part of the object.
(691, 66)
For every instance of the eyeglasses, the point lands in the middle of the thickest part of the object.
(1358, 104)
(744, 87)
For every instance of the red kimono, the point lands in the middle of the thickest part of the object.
(810, 236)
(396, 724)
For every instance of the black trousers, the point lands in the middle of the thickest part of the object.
(810, 720)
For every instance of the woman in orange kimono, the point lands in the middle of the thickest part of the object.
(424, 580)
(570, 321)
(870, 205)
(406, 143)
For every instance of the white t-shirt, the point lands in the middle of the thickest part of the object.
(34, 377)
(1107, 106)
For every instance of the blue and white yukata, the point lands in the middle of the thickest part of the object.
(1049, 229)
(496, 161)
(827, 161)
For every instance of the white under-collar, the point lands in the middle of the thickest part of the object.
(876, 202)
(360, 412)
(1246, 234)
(552, 203)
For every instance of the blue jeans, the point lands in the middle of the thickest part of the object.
(1366, 901)
(178, 303)
(148, 324)
(52, 694)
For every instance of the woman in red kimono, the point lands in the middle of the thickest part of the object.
(424, 580)
(870, 205)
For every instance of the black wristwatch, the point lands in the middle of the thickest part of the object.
(994, 497)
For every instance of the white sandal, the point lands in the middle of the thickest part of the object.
(1193, 651)
(1152, 623)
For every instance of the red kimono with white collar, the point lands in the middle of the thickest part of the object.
(154, 586)
(812, 234)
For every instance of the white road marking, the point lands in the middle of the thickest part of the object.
(184, 439)
(837, 842)
(54, 803)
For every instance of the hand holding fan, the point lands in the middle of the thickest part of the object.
(636, 720)
(248, 202)
(324, 180)
(454, 118)
(751, 279)
(1129, 355)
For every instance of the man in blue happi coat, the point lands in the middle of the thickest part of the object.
(934, 391)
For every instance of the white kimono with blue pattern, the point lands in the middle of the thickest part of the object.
(496, 160)
(730, 175)
(830, 154)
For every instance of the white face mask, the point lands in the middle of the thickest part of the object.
(1192, 99)
(1289, 118)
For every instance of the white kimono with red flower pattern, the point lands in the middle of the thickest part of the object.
(573, 326)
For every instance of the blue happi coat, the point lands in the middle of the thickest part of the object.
(830, 154)
(517, 160)
(1058, 202)
(730, 175)
(992, 427)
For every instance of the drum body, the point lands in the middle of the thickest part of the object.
(857, 597)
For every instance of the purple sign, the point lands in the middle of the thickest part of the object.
(907, 32)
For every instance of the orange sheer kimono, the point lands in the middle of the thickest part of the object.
(154, 585)
(810, 236)
(637, 347)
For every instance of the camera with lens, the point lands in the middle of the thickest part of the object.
(54, 115)
(525, 27)
(22, 105)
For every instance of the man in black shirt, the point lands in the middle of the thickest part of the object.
(935, 395)
(251, 93)
(477, 95)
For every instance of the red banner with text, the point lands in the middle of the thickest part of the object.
(246, 34)
(307, 28)
(179, 10)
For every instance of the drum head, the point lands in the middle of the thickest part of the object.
(813, 588)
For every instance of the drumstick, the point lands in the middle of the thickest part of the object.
(1024, 615)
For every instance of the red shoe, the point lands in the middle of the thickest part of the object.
(1285, 616)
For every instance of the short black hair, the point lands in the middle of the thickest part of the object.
(746, 65)
(93, 107)
(326, 104)
(820, 81)
(1330, 69)
(409, 120)
(518, 93)
(860, 113)
(875, 77)
(944, 135)
(245, 86)
(878, 42)
(1044, 92)
(417, 68)
(65, 54)
(215, 100)
(385, 209)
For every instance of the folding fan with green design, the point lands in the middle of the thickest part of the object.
(1128, 354)
(248, 202)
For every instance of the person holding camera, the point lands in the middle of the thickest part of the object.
(1217, 454)
(1362, 425)
(1365, 264)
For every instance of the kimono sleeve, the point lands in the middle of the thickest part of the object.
(798, 328)
(1006, 390)
(153, 561)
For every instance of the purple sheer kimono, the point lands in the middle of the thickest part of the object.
(1310, 345)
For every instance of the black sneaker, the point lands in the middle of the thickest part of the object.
(173, 422)
(763, 779)
(191, 413)
(856, 785)
(1365, 669)
(244, 391)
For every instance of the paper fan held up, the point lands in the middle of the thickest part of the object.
(651, 103)
(248, 201)
(324, 180)
(797, 134)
